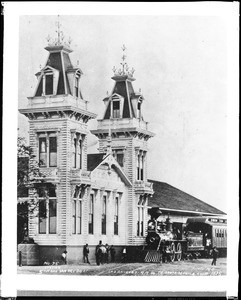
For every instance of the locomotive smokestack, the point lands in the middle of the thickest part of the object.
(155, 212)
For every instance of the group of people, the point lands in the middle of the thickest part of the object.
(101, 253)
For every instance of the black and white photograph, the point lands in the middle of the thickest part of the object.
(125, 165)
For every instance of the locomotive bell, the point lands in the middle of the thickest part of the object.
(155, 212)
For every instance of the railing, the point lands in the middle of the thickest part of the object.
(143, 185)
(56, 100)
(122, 123)
(78, 173)
(49, 172)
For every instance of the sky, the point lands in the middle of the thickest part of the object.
(180, 65)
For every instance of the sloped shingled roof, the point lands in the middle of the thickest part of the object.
(93, 160)
(169, 197)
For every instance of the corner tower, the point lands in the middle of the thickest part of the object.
(58, 117)
(123, 122)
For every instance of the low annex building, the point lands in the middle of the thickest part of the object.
(102, 196)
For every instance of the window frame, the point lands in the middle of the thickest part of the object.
(47, 136)
(91, 214)
(141, 216)
(46, 200)
(116, 216)
(77, 142)
(77, 212)
(104, 215)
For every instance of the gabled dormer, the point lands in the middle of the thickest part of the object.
(73, 76)
(136, 101)
(114, 106)
(48, 79)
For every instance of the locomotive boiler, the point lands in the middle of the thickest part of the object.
(164, 241)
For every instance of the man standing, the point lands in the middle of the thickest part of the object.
(86, 252)
(214, 256)
(64, 257)
(98, 253)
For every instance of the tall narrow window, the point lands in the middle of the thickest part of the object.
(80, 154)
(76, 86)
(140, 216)
(116, 216)
(138, 221)
(116, 109)
(138, 167)
(42, 152)
(142, 221)
(142, 167)
(53, 151)
(42, 217)
(103, 224)
(79, 214)
(52, 216)
(91, 214)
(74, 217)
(49, 81)
(75, 153)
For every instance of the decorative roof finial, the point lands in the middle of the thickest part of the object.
(123, 47)
(124, 71)
(59, 40)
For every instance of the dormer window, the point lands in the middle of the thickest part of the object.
(138, 109)
(76, 87)
(47, 82)
(76, 92)
(116, 109)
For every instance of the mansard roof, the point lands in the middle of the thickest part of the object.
(168, 197)
(125, 89)
(59, 60)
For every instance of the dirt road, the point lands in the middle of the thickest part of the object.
(197, 267)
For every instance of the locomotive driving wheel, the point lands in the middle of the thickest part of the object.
(179, 252)
(172, 254)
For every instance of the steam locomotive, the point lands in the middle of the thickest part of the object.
(169, 241)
